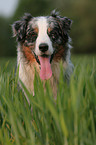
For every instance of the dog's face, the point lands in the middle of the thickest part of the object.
(43, 38)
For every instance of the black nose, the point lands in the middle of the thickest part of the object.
(43, 47)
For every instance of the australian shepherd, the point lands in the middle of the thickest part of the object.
(42, 43)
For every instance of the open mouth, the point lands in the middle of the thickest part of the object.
(44, 56)
(45, 62)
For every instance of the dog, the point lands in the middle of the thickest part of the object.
(43, 42)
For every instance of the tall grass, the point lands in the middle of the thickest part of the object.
(68, 120)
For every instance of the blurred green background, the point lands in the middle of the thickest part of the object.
(82, 12)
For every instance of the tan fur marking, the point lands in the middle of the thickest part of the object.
(28, 53)
(59, 54)
(49, 30)
(36, 30)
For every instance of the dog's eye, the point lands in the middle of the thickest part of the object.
(54, 36)
(31, 36)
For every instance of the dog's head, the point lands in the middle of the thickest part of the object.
(43, 39)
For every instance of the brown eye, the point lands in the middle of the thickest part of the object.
(54, 35)
(31, 36)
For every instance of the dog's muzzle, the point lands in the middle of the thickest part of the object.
(45, 62)
(44, 55)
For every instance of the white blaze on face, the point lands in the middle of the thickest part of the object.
(46, 71)
(43, 37)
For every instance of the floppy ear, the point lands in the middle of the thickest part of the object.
(19, 27)
(64, 22)
(67, 23)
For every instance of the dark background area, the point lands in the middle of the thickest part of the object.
(82, 12)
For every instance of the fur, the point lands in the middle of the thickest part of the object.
(51, 31)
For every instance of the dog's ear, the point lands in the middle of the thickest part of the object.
(67, 22)
(19, 27)
(64, 22)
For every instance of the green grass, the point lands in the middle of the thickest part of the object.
(70, 120)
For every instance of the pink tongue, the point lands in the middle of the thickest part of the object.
(45, 72)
